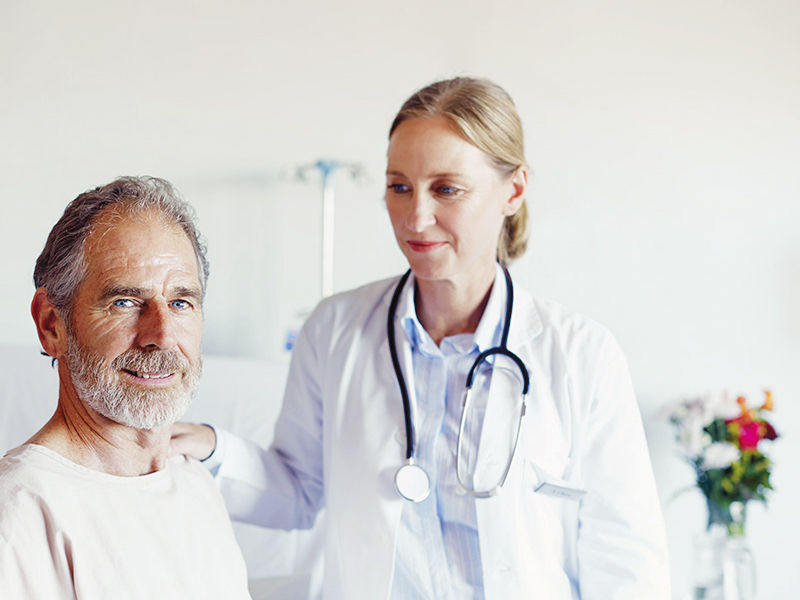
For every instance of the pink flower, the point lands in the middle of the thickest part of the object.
(748, 428)
(749, 435)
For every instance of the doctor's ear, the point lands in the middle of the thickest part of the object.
(50, 326)
(519, 186)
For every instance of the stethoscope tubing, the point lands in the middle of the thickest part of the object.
(501, 349)
(503, 352)
(401, 383)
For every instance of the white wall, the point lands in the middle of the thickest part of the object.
(663, 135)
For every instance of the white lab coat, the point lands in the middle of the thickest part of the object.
(340, 438)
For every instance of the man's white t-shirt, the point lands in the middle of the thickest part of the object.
(71, 532)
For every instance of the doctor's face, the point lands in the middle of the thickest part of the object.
(446, 201)
(133, 342)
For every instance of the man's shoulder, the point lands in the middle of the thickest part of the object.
(187, 473)
(29, 537)
(20, 469)
(23, 491)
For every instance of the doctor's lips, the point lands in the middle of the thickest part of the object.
(422, 246)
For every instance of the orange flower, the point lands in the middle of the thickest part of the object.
(767, 400)
(747, 415)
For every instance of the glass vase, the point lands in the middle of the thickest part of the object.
(724, 568)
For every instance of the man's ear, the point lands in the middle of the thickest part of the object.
(49, 324)
(519, 185)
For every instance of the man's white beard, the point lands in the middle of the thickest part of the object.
(103, 389)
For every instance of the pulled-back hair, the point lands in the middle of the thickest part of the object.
(61, 267)
(484, 115)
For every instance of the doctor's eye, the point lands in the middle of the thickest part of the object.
(448, 191)
(397, 188)
(123, 303)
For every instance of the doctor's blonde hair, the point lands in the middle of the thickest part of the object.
(484, 115)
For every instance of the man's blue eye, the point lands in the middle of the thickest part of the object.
(180, 304)
(123, 302)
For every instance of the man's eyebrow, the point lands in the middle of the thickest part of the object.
(122, 290)
(116, 291)
(186, 292)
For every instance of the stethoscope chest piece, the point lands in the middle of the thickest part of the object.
(412, 482)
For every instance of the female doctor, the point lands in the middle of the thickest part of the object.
(466, 439)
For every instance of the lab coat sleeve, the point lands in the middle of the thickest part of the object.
(280, 487)
(622, 550)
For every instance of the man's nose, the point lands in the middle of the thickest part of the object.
(156, 327)
(421, 213)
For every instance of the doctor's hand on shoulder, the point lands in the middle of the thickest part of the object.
(194, 440)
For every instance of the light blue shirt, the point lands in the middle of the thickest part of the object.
(438, 550)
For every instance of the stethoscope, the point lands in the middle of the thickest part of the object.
(411, 480)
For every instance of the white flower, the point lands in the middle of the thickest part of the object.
(719, 455)
(724, 406)
(693, 438)
(690, 417)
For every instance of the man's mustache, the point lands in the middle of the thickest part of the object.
(151, 361)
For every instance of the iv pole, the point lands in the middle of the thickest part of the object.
(329, 170)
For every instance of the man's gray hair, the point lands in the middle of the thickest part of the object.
(61, 267)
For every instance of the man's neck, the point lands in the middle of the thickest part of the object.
(87, 438)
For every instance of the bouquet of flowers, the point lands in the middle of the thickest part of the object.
(722, 441)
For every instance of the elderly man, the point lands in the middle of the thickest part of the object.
(91, 506)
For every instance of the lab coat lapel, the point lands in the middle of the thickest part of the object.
(526, 323)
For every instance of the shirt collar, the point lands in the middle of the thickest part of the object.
(407, 314)
(489, 328)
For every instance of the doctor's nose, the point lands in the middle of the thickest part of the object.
(420, 214)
